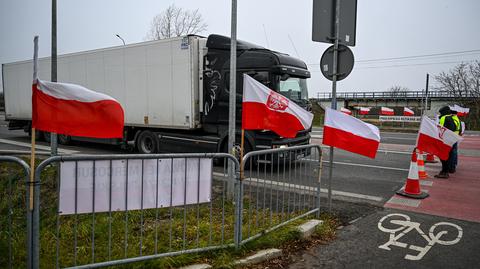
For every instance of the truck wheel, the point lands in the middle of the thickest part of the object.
(64, 139)
(147, 142)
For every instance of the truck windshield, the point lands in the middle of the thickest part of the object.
(293, 88)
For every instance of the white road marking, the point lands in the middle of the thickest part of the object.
(404, 226)
(399, 138)
(28, 145)
(306, 188)
(370, 166)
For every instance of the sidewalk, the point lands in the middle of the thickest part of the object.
(456, 197)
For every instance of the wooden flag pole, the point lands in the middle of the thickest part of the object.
(32, 155)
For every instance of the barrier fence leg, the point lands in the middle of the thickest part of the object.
(36, 224)
(29, 229)
(238, 215)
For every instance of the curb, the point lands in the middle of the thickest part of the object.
(260, 256)
(308, 228)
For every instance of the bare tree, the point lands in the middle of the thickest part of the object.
(176, 21)
(398, 91)
(463, 83)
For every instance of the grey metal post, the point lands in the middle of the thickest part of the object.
(334, 96)
(426, 96)
(53, 78)
(232, 100)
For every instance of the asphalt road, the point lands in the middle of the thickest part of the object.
(354, 176)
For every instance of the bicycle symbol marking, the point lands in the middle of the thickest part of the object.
(405, 226)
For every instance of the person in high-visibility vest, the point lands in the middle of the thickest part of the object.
(458, 129)
(447, 121)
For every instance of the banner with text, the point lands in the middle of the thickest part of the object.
(120, 185)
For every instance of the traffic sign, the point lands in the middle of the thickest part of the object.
(323, 27)
(344, 65)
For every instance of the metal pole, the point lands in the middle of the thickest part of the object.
(426, 96)
(53, 78)
(232, 100)
(334, 97)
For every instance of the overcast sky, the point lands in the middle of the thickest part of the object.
(385, 29)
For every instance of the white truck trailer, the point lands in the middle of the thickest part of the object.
(174, 91)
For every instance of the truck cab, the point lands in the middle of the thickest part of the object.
(280, 72)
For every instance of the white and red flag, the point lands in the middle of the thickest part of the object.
(461, 111)
(346, 111)
(408, 112)
(386, 111)
(71, 109)
(435, 139)
(364, 110)
(350, 134)
(264, 109)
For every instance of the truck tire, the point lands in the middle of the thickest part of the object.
(64, 139)
(47, 137)
(147, 142)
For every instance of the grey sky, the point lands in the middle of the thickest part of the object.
(385, 29)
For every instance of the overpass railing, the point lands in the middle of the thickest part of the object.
(386, 95)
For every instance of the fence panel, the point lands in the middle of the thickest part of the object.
(115, 209)
(15, 218)
(279, 186)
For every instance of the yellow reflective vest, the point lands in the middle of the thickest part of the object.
(455, 119)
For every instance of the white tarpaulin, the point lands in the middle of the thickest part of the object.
(173, 186)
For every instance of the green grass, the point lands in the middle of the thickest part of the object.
(202, 227)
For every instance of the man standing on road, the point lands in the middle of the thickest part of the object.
(447, 121)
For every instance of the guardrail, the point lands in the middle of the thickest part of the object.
(279, 186)
(387, 95)
(106, 210)
(15, 198)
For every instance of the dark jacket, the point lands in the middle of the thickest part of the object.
(449, 123)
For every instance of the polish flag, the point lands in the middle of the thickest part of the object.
(461, 111)
(386, 111)
(350, 134)
(435, 139)
(263, 108)
(408, 112)
(71, 109)
(364, 110)
(346, 111)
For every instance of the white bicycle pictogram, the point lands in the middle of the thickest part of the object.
(403, 225)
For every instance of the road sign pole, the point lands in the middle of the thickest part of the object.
(53, 78)
(334, 96)
(232, 100)
(426, 96)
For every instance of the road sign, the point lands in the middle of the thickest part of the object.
(323, 28)
(344, 66)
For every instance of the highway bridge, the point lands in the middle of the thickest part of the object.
(411, 99)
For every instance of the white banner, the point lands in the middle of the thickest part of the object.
(112, 188)
(400, 118)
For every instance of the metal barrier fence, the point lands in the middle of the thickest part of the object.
(279, 186)
(105, 210)
(132, 208)
(14, 246)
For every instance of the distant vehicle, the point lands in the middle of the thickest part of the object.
(175, 92)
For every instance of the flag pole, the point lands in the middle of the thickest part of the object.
(242, 144)
(32, 154)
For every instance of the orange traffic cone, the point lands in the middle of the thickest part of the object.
(430, 158)
(412, 186)
(422, 174)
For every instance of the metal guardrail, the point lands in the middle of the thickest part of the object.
(14, 193)
(279, 186)
(105, 210)
(120, 235)
(387, 94)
